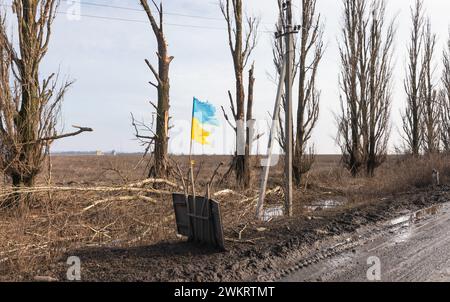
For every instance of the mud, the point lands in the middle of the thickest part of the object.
(412, 247)
(267, 251)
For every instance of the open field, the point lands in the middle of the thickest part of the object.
(119, 239)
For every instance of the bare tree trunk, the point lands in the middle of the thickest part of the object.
(366, 53)
(428, 95)
(241, 46)
(29, 106)
(250, 126)
(311, 52)
(160, 139)
(350, 51)
(412, 121)
(379, 94)
(445, 100)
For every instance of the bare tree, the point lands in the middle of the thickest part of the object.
(29, 105)
(428, 95)
(445, 100)
(364, 123)
(279, 52)
(376, 114)
(242, 42)
(351, 50)
(412, 121)
(159, 140)
(310, 54)
(445, 122)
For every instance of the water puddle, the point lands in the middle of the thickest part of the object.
(273, 212)
(403, 224)
(401, 220)
(416, 216)
(322, 205)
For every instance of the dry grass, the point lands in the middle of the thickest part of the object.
(53, 224)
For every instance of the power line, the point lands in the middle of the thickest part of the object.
(139, 21)
(141, 10)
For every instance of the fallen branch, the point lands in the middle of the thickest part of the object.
(256, 197)
(134, 187)
(227, 192)
(242, 231)
(154, 181)
(249, 241)
(11, 190)
(119, 198)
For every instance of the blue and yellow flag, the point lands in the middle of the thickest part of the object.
(203, 114)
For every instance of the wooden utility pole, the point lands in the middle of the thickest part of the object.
(288, 109)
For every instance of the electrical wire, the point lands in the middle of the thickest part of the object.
(139, 21)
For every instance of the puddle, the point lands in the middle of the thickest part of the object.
(273, 212)
(324, 205)
(414, 217)
(401, 219)
(403, 223)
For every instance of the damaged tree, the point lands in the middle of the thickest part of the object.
(311, 52)
(364, 124)
(428, 95)
(241, 46)
(279, 54)
(444, 99)
(350, 51)
(377, 104)
(412, 121)
(159, 140)
(29, 106)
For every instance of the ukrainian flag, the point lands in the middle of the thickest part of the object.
(203, 115)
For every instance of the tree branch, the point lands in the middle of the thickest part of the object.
(153, 70)
(56, 137)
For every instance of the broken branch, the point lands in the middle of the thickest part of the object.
(56, 137)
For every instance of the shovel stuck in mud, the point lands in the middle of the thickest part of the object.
(202, 223)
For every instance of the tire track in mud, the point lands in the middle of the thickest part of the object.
(391, 232)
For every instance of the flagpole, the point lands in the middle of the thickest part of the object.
(191, 162)
(191, 172)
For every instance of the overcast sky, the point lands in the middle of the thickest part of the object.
(106, 58)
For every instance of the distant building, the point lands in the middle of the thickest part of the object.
(99, 153)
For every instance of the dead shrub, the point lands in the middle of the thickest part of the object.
(404, 173)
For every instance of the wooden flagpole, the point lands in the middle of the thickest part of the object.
(191, 169)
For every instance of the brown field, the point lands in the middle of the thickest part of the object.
(36, 239)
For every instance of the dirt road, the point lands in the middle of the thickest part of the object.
(414, 247)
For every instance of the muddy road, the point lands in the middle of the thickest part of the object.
(412, 247)
(409, 232)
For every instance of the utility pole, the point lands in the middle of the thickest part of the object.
(286, 81)
(288, 109)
